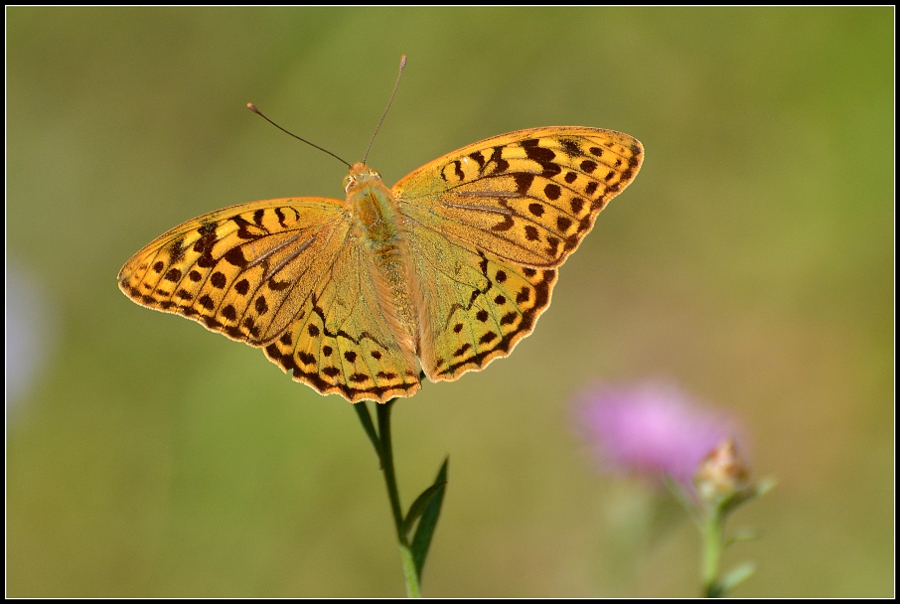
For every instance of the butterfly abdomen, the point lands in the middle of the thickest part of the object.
(394, 278)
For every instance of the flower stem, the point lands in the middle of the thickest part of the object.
(381, 440)
(386, 454)
(712, 554)
(409, 572)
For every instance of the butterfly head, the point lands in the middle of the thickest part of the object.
(360, 176)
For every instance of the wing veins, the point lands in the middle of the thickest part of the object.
(504, 194)
(294, 284)
(456, 305)
(278, 248)
(519, 195)
(180, 281)
(452, 237)
(510, 211)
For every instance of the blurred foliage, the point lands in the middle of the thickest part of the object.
(751, 261)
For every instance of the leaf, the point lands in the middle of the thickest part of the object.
(742, 535)
(736, 577)
(739, 498)
(422, 540)
(419, 505)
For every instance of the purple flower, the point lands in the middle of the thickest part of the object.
(651, 429)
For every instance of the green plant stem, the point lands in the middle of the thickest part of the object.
(384, 449)
(386, 454)
(409, 572)
(712, 554)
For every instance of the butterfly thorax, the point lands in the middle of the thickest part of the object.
(378, 226)
(370, 202)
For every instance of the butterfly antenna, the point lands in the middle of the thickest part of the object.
(383, 115)
(253, 108)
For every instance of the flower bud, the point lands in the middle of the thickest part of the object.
(721, 473)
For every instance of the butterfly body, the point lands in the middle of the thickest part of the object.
(444, 272)
(379, 225)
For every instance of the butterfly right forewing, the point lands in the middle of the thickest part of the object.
(233, 270)
(527, 197)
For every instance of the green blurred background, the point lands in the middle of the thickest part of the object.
(751, 262)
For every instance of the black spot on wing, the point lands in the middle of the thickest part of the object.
(500, 346)
(570, 147)
(500, 164)
(235, 257)
(523, 182)
(243, 228)
(218, 280)
(458, 169)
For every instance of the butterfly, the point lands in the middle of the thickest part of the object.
(444, 272)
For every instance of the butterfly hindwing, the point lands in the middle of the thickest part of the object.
(342, 340)
(475, 308)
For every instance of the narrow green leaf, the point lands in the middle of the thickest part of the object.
(425, 531)
(739, 498)
(742, 535)
(737, 576)
(418, 506)
(366, 420)
(765, 485)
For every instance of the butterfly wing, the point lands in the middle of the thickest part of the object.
(341, 340)
(475, 307)
(286, 276)
(512, 207)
